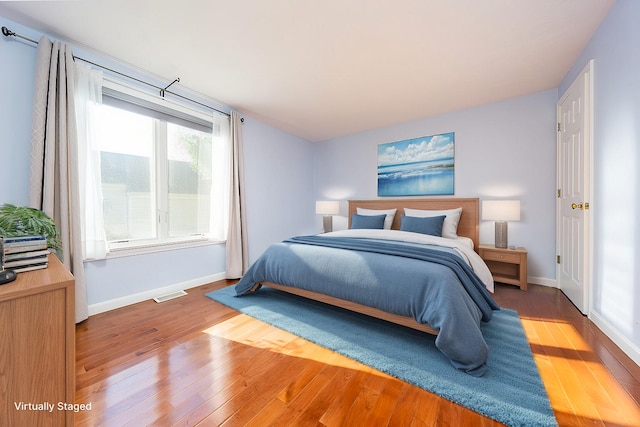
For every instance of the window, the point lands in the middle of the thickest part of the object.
(161, 170)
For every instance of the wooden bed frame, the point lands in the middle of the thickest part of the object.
(467, 227)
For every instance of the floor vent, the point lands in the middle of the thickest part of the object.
(172, 295)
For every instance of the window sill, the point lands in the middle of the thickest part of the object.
(157, 247)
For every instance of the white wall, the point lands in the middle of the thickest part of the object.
(502, 150)
(279, 179)
(17, 62)
(615, 49)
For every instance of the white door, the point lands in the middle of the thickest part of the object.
(574, 177)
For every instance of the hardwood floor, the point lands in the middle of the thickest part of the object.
(192, 361)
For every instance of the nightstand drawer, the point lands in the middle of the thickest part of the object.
(501, 256)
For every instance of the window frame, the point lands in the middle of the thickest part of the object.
(163, 241)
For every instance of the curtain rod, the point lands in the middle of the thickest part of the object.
(7, 32)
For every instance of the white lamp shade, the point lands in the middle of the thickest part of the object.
(327, 207)
(501, 210)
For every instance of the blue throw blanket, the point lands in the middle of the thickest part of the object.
(431, 284)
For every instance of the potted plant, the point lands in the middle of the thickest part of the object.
(18, 221)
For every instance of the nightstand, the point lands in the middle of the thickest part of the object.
(506, 265)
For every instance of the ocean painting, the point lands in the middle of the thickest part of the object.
(417, 167)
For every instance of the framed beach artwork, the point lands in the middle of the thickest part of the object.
(417, 167)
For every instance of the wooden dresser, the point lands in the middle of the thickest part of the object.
(37, 348)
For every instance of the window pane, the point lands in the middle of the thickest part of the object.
(189, 157)
(126, 154)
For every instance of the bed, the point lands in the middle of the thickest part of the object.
(438, 285)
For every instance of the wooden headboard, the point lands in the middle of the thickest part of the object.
(469, 220)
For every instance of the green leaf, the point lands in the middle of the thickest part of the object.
(16, 221)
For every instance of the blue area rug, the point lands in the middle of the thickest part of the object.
(510, 392)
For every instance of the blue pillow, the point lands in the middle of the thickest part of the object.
(429, 225)
(367, 221)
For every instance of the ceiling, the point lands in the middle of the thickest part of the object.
(324, 69)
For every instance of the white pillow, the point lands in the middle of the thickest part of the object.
(451, 220)
(390, 213)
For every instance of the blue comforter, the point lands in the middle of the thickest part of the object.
(429, 283)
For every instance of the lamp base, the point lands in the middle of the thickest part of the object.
(502, 234)
(327, 224)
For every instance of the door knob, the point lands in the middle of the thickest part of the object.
(579, 206)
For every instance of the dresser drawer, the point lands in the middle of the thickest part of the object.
(501, 256)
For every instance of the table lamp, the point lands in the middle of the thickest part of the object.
(501, 211)
(327, 208)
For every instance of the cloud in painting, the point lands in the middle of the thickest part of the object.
(416, 150)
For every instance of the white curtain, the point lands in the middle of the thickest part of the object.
(220, 172)
(54, 156)
(88, 97)
(237, 249)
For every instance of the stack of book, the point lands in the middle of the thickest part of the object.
(23, 253)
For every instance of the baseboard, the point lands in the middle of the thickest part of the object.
(543, 281)
(101, 307)
(629, 348)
